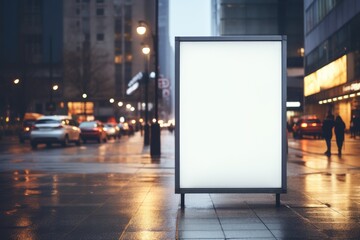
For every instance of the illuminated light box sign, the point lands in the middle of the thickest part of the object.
(230, 115)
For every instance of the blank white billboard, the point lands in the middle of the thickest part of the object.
(230, 114)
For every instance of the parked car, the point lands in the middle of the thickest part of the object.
(27, 124)
(126, 129)
(112, 130)
(307, 125)
(93, 130)
(55, 129)
(25, 130)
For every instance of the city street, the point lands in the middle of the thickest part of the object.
(116, 190)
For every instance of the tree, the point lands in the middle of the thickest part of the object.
(89, 71)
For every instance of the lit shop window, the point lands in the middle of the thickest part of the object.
(331, 75)
(78, 108)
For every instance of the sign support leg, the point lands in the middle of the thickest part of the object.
(277, 199)
(182, 200)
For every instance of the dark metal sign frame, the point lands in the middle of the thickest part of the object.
(248, 38)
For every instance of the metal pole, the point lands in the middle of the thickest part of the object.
(155, 149)
(146, 126)
(156, 49)
(51, 77)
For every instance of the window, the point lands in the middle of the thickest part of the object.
(129, 57)
(100, 37)
(100, 12)
(317, 11)
(118, 59)
(87, 37)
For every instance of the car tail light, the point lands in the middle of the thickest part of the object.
(314, 124)
(304, 125)
(58, 127)
(97, 129)
(35, 128)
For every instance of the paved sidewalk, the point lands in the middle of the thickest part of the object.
(133, 198)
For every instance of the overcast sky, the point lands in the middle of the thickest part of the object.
(189, 18)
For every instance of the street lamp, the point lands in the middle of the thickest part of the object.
(146, 52)
(142, 29)
(84, 96)
(11, 98)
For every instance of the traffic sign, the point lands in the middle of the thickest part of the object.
(163, 83)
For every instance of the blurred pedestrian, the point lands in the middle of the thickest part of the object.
(327, 127)
(357, 125)
(352, 127)
(339, 133)
(171, 128)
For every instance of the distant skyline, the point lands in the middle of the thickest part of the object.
(189, 18)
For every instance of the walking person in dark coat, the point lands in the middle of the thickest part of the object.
(352, 127)
(327, 127)
(339, 133)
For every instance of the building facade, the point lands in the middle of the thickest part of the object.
(31, 45)
(89, 49)
(332, 58)
(270, 17)
(100, 35)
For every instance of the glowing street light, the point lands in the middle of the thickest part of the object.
(146, 50)
(144, 29)
(141, 28)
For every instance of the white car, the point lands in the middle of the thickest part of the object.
(112, 130)
(55, 129)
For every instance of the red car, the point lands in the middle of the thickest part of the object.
(307, 125)
(93, 130)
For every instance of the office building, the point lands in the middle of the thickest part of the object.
(31, 44)
(332, 58)
(89, 49)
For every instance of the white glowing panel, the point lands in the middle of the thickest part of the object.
(230, 114)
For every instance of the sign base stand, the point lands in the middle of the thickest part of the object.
(277, 199)
(182, 204)
(182, 200)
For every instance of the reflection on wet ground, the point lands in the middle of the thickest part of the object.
(119, 193)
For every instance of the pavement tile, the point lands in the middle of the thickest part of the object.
(248, 234)
(199, 226)
(243, 226)
(148, 235)
(243, 220)
(86, 235)
(201, 234)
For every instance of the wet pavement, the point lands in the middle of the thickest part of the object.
(116, 191)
